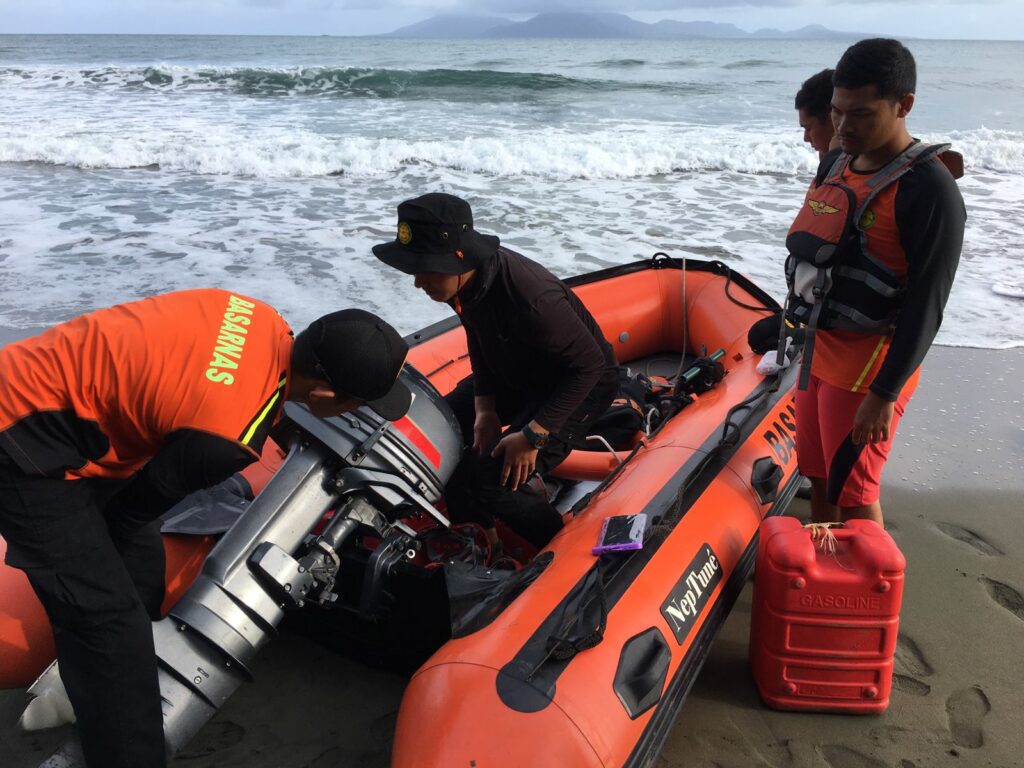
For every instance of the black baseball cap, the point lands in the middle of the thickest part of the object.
(361, 356)
(435, 234)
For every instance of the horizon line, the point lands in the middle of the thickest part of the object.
(393, 36)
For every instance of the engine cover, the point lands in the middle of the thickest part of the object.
(423, 447)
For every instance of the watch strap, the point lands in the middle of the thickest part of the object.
(534, 438)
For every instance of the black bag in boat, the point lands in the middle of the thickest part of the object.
(478, 593)
(624, 417)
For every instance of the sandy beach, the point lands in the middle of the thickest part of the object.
(953, 495)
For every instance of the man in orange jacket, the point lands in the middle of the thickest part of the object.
(106, 421)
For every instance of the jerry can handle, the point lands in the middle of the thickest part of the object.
(825, 531)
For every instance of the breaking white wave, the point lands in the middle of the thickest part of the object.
(622, 152)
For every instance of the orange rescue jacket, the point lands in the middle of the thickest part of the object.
(96, 396)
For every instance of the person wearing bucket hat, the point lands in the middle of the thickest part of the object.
(540, 363)
(109, 419)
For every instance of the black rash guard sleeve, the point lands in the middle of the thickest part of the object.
(188, 461)
(930, 216)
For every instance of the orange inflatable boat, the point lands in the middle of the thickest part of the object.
(589, 664)
(560, 658)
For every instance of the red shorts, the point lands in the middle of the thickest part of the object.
(824, 420)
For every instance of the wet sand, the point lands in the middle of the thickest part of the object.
(954, 502)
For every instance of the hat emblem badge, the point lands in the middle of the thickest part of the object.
(404, 233)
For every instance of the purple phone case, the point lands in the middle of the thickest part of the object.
(636, 534)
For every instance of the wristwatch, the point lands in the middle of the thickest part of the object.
(536, 439)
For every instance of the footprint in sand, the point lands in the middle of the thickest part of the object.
(970, 538)
(838, 756)
(326, 758)
(336, 756)
(887, 735)
(382, 729)
(910, 685)
(965, 711)
(909, 658)
(1006, 596)
(214, 738)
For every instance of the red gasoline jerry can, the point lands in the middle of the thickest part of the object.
(825, 616)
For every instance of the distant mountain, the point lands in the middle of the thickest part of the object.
(696, 29)
(450, 25)
(569, 25)
(600, 25)
(810, 32)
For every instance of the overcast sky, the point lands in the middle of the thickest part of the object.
(960, 19)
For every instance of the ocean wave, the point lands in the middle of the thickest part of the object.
(620, 63)
(549, 154)
(749, 64)
(991, 150)
(357, 82)
(630, 151)
(680, 63)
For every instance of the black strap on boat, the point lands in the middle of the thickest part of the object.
(577, 630)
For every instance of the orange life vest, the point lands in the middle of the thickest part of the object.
(835, 280)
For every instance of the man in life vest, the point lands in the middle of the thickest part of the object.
(109, 419)
(872, 256)
(813, 105)
(540, 363)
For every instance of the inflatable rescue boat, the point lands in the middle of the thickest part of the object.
(555, 657)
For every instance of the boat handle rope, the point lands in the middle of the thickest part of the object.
(446, 363)
(583, 502)
(607, 446)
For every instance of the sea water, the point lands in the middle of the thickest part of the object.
(131, 165)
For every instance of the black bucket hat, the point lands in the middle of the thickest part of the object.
(360, 355)
(435, 234)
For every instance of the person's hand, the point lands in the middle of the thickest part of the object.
(486, 430)
(520, 459)
(873, 420)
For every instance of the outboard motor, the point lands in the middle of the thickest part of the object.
(373, 473)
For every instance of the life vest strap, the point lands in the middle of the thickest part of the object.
(861, 275)
(916, 153)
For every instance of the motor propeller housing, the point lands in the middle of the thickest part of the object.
(355, 470)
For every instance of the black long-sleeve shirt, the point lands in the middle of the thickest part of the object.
(529, 332)
(930, 215)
